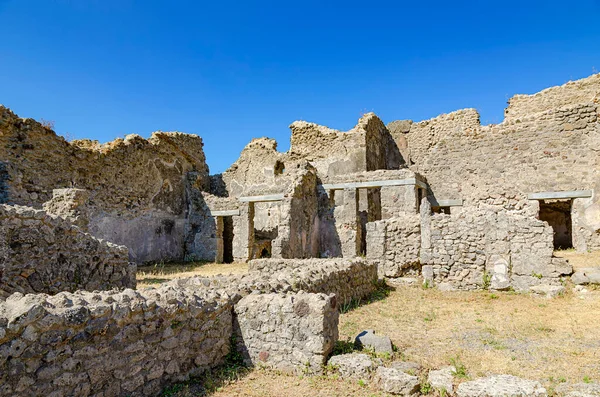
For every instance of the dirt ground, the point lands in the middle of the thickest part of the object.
(156, 274)
(579, 260)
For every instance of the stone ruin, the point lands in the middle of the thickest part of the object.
(462, 205)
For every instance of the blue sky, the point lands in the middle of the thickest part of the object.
(233, 70)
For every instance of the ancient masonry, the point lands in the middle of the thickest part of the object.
(463, 205)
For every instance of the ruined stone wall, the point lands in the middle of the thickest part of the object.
(109, 343)
(44, 253)
(137, 186)
(348, 279)
(580, 91)
(298, 231)
(489, 248)
(546, 143)
(394, 243)
(551, 151)
(289, 332)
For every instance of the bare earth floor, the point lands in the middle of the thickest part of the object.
(153, 275)
(552, 341)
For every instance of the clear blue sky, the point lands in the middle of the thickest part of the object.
(230, 71)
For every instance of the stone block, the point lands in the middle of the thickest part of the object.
(442, 379)
(354, 366)
(501, 386)
(396, 382)
(368, 340)
(292, 332)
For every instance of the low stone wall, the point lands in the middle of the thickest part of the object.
(292, 333)
(483, 248)
(44, 253)
(394, 243)
(128, 343)
(348, 279)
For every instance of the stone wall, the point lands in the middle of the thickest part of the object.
(489, 248)
(129, 343)
(348, 279)
(44, 253)
(545, 143)
(137, 186)
(395, 243)
(288, 332)
(580, 91)
(298, 231)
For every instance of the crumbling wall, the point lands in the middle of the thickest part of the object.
(394, 243)
(366, 147)
(70, 204)
(348, 279)
(546, 143)
(580, 91)
(137, 186)
(490, 248)
(253, 173)
(115, 343)
(298, 231)
(289, 332)
(44, 253)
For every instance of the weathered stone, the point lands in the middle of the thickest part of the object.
(406, 366)
(548, 291)
(588, 275)
(293, 333)
(353, 365)
(442, 379)
(579, 390)
(396, 382)
(368, 340)
(41, 253)
(500, 386)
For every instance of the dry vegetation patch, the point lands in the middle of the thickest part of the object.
(152, 275)
(550, 340)
(490, 333)
(579, 260)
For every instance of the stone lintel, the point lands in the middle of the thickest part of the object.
(257, 199)
(225, 213)
(373, 184)
(446, 203)
(560, 195)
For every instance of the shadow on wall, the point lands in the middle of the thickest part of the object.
(330, 245)
(3, 183)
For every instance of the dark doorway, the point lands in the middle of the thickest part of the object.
(558, 215)
(441, 210)
(227, 239)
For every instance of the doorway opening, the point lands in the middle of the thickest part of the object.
(558, 215)
(227, 239)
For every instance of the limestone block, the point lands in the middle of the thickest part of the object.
(396, 382)
(579, 390)
(292, 332)
(548, 291)
(442, 379)
(587, 275)
(353, 366)
(500, 386)
(368, 340)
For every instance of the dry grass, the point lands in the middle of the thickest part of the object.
(155, 274)
(552, 341)
(501, 333)
(263, 383)
(579, 260)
